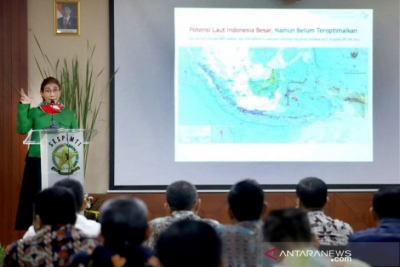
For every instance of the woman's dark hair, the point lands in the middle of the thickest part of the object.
(287, 225)
(55, 205)
(49, 80)
(123, 224)
(189, 243)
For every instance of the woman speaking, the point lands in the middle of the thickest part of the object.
(50, 111)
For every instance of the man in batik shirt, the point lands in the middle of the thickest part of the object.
(182, 203)
(243, 238)
(56, 238)
(312, 195)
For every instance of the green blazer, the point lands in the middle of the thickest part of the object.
(34, 118)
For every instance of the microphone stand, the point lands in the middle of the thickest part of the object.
(53, 125)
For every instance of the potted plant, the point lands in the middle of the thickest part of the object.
(2, 254)
(92, 207)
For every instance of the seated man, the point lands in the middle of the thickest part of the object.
(56, 238)
(380, 246)
(242, 239)
(292, 243)
(123, 229)
(89, 227)
(189, 243)
(182, 203)
(312, 195)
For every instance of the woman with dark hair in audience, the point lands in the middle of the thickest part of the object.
(38, 118)
(123, 230)
(189, 243)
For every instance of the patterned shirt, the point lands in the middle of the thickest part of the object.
(330, 232)
(160, 224)
(51, 246)
(243, 244)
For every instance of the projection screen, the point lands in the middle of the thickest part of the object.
(216, 92)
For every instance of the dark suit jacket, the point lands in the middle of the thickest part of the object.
(71, 23)
(378, 246)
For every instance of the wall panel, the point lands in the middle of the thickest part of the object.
(13, 65)
(352, 208)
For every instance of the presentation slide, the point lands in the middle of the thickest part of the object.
(214, 92)
(251, 85)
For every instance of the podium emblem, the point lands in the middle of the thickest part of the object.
(65, 159)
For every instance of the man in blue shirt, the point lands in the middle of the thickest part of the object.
(243, 238)
(380, 246)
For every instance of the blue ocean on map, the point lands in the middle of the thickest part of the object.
(274, 95)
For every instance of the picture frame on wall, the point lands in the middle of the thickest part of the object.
(66, 18)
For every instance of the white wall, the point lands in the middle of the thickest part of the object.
(95, 29)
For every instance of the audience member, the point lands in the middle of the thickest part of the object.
(123, 230)
(56, 238)
(189, 243)
(380, 246)
(182, 203)
(312, 195)
(292, 243)
(89, 227)
(243, 239)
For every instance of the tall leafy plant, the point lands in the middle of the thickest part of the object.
(2, 253)
(78, 86)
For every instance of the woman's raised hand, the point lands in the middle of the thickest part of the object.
(24, 98)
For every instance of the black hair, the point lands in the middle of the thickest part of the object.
(76, 189)
(181, 195)
(49, 80)
(70, 6)
(385, 202)
(189, 243)
(123, 224)
(246, 200)
(55, 205)
(287, 225)
(312, 192)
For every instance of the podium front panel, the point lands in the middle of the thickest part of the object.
(62, 156)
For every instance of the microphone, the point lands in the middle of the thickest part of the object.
(53, 125)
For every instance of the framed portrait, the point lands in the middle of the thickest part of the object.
(66, 18)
